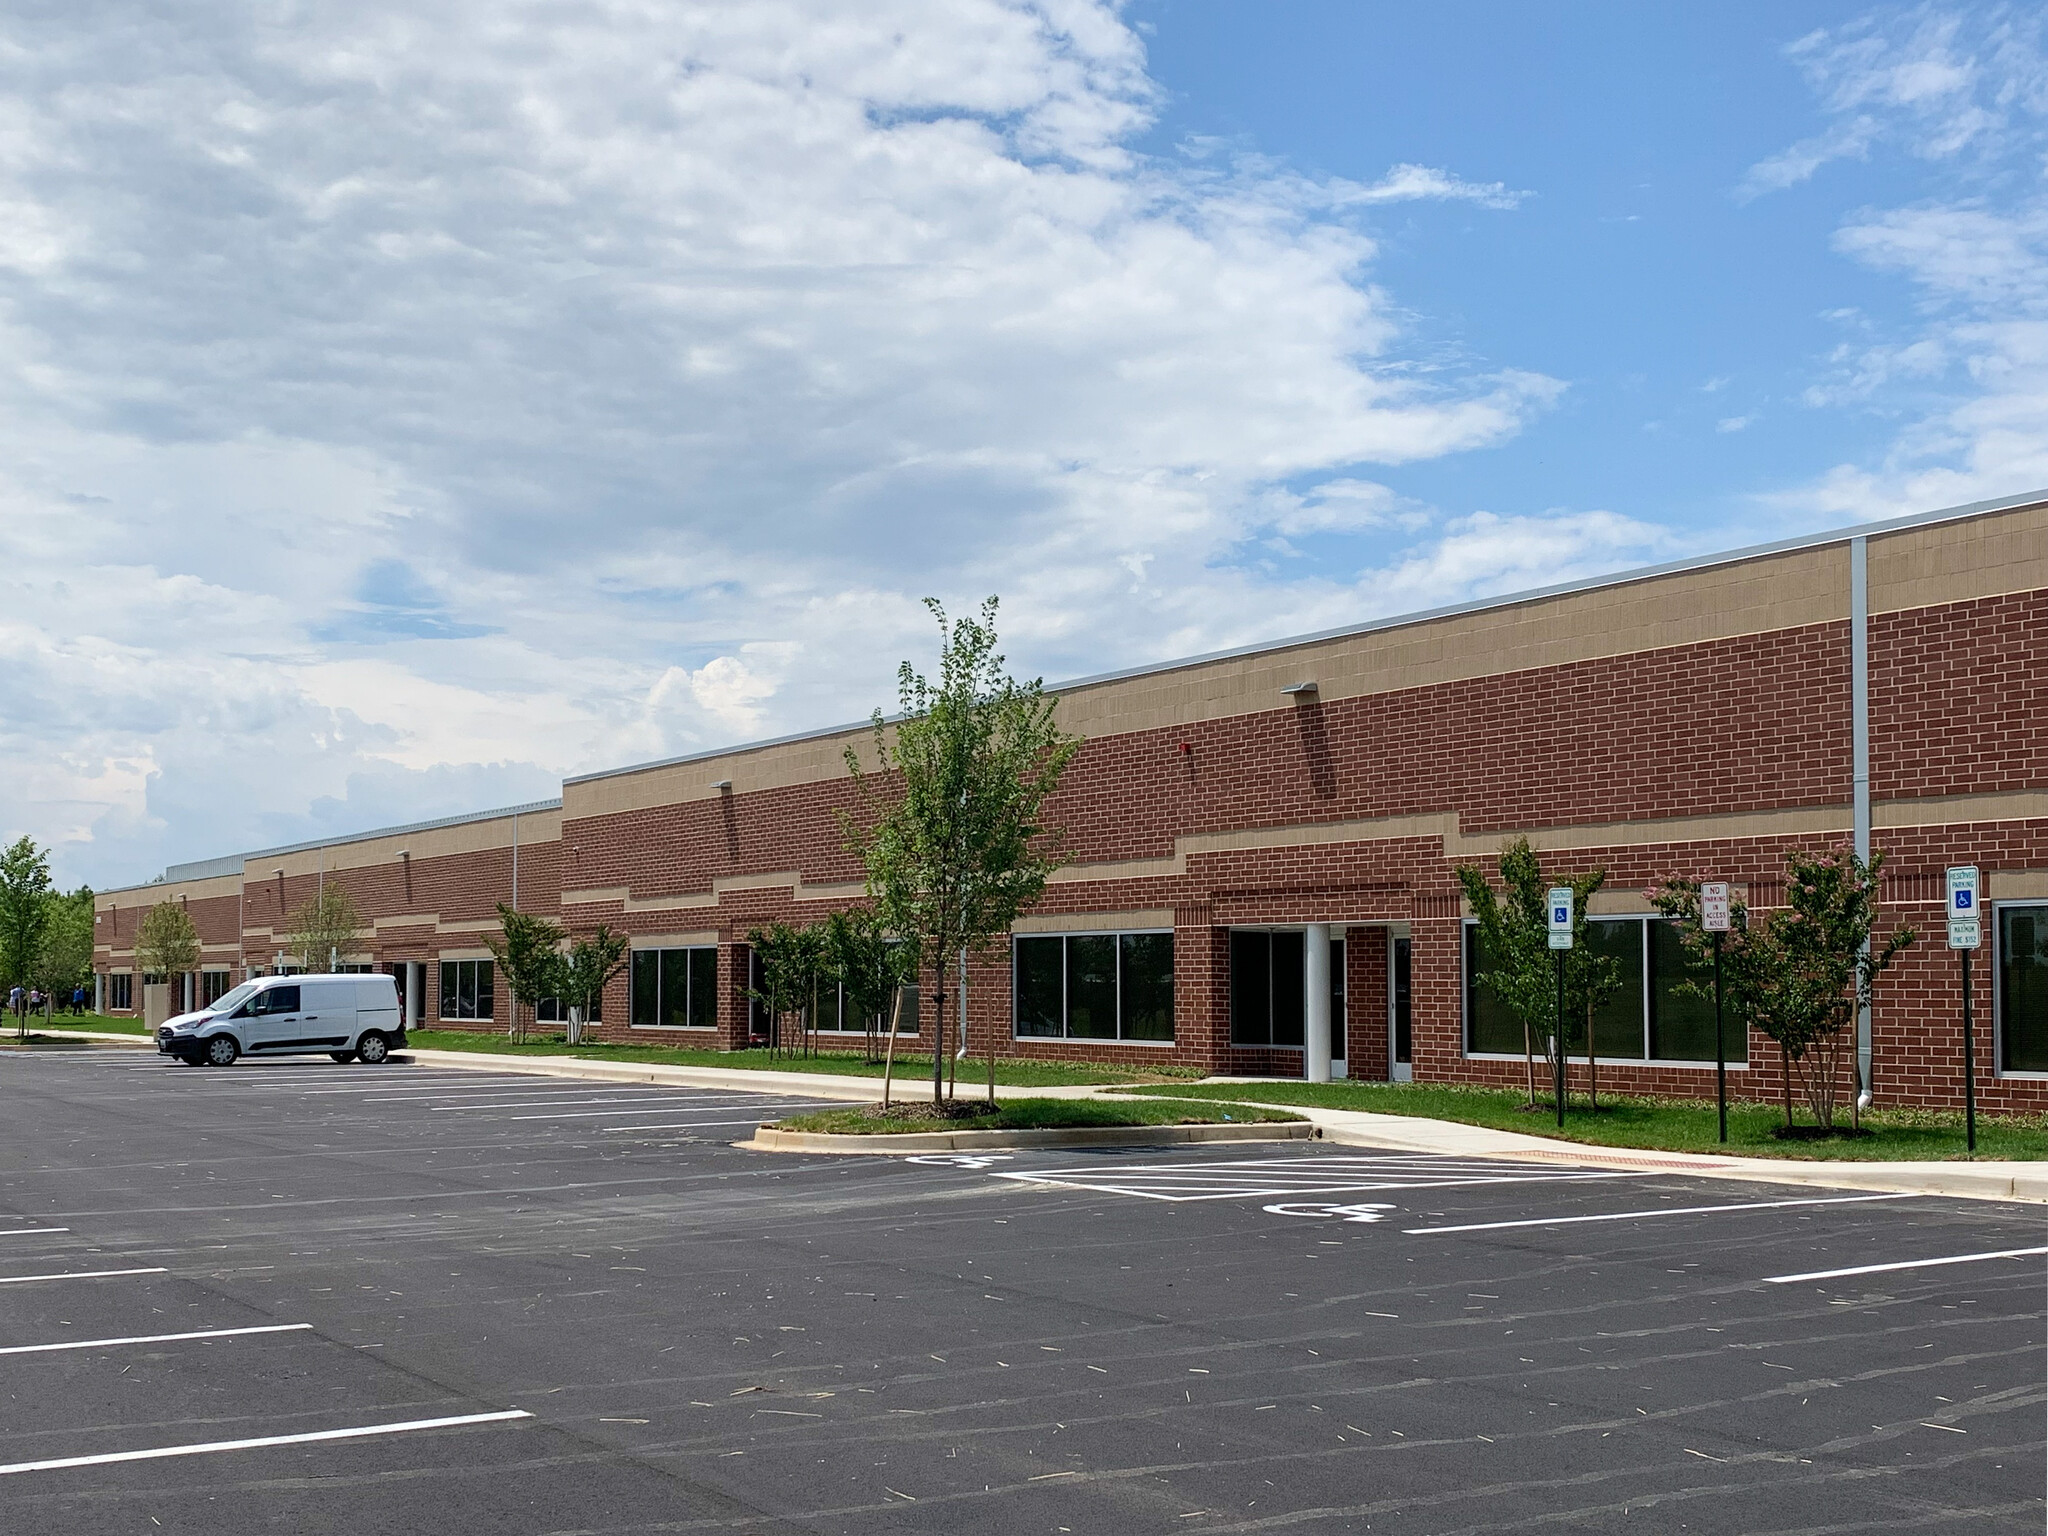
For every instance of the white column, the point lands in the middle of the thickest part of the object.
(99, 992)
(1315, 986)
(414, 969)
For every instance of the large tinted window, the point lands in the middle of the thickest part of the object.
(675, 988)
(1618, 1023)
(1041, 986)
(1266, 996)
(2023, 988)
(1251, 988)
(1490, 1026)
(1681, 1024)
(1093, 986)
(1147, 997)
(466, 989)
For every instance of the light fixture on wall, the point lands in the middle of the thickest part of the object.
(721, 785)
(1300, 690)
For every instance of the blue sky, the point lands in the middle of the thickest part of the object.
(401, 407)
(1689, 313)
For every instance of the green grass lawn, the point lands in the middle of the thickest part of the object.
(1037, 1115)
(1010, 1072)
(1677, 1125)
(93, 1021)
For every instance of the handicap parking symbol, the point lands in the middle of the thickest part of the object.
(1361, 1213)
(960, 1159)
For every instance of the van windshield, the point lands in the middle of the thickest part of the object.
(228, 1002)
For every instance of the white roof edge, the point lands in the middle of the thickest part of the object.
(236, 863)
(1396, 621)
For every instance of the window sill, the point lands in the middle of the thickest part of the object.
(1156, 1045)
(675, 1029)
(1608, 1061)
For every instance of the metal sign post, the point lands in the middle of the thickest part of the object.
(1714, 918)
(1965, 933)
(1560, 908)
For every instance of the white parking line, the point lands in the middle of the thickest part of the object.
(80, 1274)
(609, 1098)
(360, 1432)
(616, 1109)
(1674, 1210)
(152, 1338)
(1878, 1269)
(1268, 1178)
(33, 1231)
(682, 1125)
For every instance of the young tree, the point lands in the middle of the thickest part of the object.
(1521, 969)
(868, 965)
(793, 968)
(24, 911)
(590, 966)
(64, 960)
(1801, 975)
(528, 950)
(167, 943)
(323, 928)
(951, 836)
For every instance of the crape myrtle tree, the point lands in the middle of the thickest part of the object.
(869, 967)
(1520, 967)
(949, 824)
(793, 971)
(167, 943)
(589, 967)
(323, 928)
(528, 950)
(1801, 973)
(24, 913)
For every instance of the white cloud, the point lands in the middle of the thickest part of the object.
(1966, 374)
(1415, 183)
(401, 407)
(1733, 423)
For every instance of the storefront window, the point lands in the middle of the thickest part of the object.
(2022, 934)
(1093, 986)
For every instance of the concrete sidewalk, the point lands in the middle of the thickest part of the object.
(1358, 1128)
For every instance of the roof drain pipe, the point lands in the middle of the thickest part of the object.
(1859, 764)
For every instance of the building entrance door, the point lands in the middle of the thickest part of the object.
(1400, 1013)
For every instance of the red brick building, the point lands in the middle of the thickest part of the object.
(1266, 840)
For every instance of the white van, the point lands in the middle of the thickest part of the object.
(351, 1018)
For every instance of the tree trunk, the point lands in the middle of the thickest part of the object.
(889, 1060)
(939, 1038)
(1529, 1060)
(1592, 1063)
(1785, 1071)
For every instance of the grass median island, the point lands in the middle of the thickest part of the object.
(1671, 1125)
(99, 1023)
(912, 1072)
(1029, 1115)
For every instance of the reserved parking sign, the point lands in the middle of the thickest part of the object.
(1965, 930)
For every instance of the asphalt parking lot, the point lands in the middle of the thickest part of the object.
(299, 1297)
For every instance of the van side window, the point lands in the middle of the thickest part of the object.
(279, 1000)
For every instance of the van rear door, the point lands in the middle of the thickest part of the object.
(377, 1004)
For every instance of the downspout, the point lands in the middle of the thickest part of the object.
(1859, 763)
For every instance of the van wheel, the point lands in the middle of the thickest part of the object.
(221, 1051)
(341, 1056)
(372, 1050)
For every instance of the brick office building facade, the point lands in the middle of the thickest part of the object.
(1267, 839)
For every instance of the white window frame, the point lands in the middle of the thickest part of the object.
(1091, 933)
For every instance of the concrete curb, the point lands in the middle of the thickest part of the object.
(1972, 1181)
(769, 1139)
